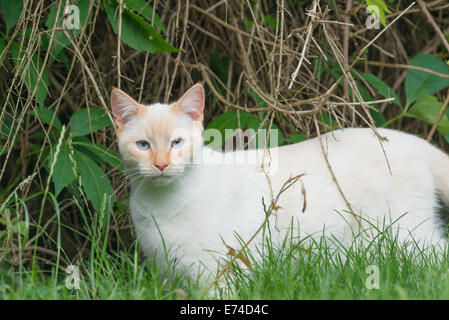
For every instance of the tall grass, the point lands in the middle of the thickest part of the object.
(293, 269)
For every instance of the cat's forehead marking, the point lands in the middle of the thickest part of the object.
(159, 121)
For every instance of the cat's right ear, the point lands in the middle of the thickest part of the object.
(124, 108)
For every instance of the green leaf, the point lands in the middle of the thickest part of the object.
(85, 121)
(94, 181)
(427, 109)
(21, 227)
(249, 24)
(270, 21)
(103, 154)
(259, 102)
(56, 20)
(230, 120)
(11, 10)
(334, 70)
(2, 47)
(281, 139)
(219, 65)
(382, 88)
(296, 137)
(326, 119)
(85, 15)
(142, 7)
(136, 33)
(30, 70)
(377, 116)
(7, 125)
(420, 83)
(63, 173)
(3, 149)
(45, 115)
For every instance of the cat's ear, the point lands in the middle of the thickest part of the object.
(192, 102)
(124, 108)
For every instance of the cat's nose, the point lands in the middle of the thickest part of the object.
(161, 165)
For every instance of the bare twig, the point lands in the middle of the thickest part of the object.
(433, 23)
(407, 66)
(306, 43)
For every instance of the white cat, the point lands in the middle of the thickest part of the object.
(192, 211)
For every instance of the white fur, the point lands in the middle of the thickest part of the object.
(192, 211)
(201, 211)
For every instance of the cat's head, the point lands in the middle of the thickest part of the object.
(158, 141)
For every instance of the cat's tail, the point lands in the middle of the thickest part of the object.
(439, 166)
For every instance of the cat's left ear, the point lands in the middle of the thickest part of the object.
(124, 108)
(192, 102)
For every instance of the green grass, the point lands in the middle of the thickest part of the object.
(287, 272)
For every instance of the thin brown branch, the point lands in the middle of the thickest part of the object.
(437, 29)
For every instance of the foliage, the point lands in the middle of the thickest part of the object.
(63, 194)
(78, 157)
(136, 32)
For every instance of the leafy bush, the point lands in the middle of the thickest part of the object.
(60, 173)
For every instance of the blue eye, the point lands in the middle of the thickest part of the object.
(143, 145)
(176, 143)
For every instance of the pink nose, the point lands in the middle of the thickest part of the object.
(161, 165)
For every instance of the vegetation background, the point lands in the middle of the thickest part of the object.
(302, 67)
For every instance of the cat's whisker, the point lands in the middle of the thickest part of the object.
(130, 175)
(121, 176)
(126, 178)
(129, 182)
(131, 171)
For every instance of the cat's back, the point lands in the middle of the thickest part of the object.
(355, 148)
(362, 139)
(361, 162)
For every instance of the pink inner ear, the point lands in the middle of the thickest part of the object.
(192, 102)
(124, 108)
